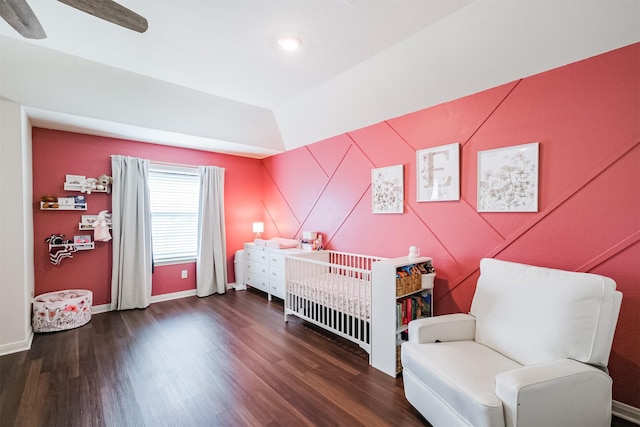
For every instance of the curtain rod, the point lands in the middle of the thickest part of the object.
(157, 162)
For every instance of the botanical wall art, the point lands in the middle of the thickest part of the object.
(387, 189)
(438, 173)
(508, 179)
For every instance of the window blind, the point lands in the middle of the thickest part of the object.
(174, 196)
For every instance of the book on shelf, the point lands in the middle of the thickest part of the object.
(412, 307)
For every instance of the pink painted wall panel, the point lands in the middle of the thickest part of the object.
(330, 153)
(445, 219)
(279, 220)
(300, 167)
(623, 362)
(383, 146)
(337, 200)
(587, 223)
(586, 117)
(450, 122)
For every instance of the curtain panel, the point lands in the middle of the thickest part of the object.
(131, 217)
(211, 261)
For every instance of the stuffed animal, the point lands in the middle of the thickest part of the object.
(104, 182)
(57, 239)
(101, 227)
(88, 185)
(49, 201)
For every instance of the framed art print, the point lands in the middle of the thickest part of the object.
(387, 189)
(508, 179)
(438, 173)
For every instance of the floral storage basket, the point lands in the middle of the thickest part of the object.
(61, 310)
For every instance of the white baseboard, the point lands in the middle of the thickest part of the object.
(626, 412)
(97, 309)
(16, 347)
(103, 308)
(174, 295)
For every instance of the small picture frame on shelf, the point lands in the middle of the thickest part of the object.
(82, 239)
(66, 201)
(75, 179)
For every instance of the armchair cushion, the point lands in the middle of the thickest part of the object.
(535, 314)
(462, 374)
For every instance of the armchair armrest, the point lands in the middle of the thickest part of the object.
(561, 392)
(449, 327)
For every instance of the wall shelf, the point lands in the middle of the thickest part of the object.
(78, 246)
(88, 221)
(45, 206)
(78, 187)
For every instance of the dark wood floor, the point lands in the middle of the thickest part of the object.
(219, 361)
(222, 360)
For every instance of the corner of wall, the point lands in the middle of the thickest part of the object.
(16, 227)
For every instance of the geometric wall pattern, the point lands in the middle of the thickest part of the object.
(586, 118)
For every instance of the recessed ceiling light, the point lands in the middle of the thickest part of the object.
(290, 43)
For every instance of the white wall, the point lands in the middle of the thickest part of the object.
(16, 229)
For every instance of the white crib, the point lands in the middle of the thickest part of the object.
(333, 291)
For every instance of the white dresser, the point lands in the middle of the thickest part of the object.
(264, 268)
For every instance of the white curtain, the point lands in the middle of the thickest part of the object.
(131, 217)
(211, 263)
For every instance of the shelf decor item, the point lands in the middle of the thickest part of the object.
(438, 173)
(387, 189)
(508, 179)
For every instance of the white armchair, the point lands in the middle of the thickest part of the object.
(533, 351)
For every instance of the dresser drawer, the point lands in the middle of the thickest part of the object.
(252, 254)
(276, 289)
(277, 274)
(258, 281)
(276, 260)
(254, 267)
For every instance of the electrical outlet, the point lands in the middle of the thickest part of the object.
(184, 274)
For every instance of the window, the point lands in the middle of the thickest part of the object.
(174, 196)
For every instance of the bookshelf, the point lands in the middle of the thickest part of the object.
(401, 291)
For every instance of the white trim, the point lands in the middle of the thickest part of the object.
(16, 347)
(626, 412)
(238, 287)
(174, 295)
(97, 309)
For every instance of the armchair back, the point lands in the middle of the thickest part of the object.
(535, 315)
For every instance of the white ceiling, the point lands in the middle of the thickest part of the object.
(208, 74)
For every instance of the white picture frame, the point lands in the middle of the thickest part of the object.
(387, 190)
(438, 173)
(508, 179)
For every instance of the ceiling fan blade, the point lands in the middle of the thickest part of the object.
(19, 15)
(110, 11)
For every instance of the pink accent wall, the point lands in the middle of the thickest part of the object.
(57, 153)
(586, 117)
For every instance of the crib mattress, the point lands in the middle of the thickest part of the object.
(342, 293)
